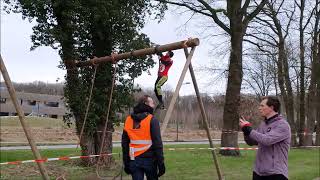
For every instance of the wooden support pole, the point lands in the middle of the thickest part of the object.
(20, 112)
(141, 52)
(176, 92)
(204, 116)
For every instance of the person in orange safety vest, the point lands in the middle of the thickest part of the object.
(141, 142)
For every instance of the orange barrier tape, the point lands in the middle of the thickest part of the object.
(62, 158)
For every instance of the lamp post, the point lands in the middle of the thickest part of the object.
(177, 121)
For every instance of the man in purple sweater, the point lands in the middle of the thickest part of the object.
(273, 140)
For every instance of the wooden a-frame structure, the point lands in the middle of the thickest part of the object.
(188, 65)
(114, 58)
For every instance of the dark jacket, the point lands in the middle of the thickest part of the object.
(273, 139)
(155, 152)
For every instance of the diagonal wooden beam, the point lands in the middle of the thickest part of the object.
(204, 117)
(141, 52)
(176, 92)
(25, 126)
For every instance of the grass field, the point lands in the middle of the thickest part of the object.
(44, 131)
(48, 131)
(180, 164)
(31, 121)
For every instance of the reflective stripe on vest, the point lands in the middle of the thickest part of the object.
(140, 139)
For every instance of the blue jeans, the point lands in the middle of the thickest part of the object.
(141, 166)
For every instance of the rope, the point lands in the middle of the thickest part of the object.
(107, 120)
(88, 105)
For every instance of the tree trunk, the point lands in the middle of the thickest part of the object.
(311, 115)
(283, 74)
(107, 147)
(312, 107)
(91, 143)
(318, 93)
(275, 74)
(102, 45)
(232, 101)
(317, 143)
(286, 89)
(302, 126)
(87, 145)
(290, 104)
(312, 96)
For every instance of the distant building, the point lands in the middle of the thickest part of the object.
(33, 104)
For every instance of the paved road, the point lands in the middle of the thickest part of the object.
(115, 144)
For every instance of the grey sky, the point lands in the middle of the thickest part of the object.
(41, 64)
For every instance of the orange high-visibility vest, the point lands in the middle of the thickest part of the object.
(140, 139)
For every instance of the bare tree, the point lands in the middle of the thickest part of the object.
(304, 20)
(259, 74)
(317, 106)
(233, 17)
(314, 88)
(271, 29)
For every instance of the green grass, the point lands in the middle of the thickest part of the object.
(180, 164)
(32, 121)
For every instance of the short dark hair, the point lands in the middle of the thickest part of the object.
(143, 99)
(273, 101)
(171, 53)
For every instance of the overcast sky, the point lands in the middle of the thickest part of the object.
(41, 64)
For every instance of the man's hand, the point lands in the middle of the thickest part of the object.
(243, 122)
(161, 169)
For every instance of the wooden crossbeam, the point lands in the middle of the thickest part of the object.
(141, 52)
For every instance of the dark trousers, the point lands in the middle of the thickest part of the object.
(141, 166)
(255, 176)
(157, 87)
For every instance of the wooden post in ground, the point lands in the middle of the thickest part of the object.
(204, 116)
(25, 126)
(176, 92)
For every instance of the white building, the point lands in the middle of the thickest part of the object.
(35, 104)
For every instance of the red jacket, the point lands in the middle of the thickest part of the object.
(164, 65)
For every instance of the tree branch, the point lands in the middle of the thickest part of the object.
(214, 15)
(186, 6)
(309, 18)
(261, 39)
(245, 6)
(248, 18)
(288, 25)
(258, 46)
(271, 26)
(265, 34)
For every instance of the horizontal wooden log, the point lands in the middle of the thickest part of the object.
(141, 52)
